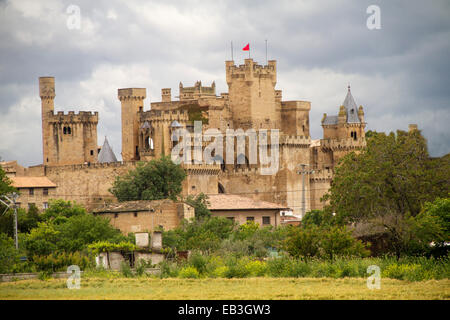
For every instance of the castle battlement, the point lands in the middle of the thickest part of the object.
(95, 165)
(295, 140)
(132, 94)
(202, 169)
(342, 144)
(164, 115)
(71, 116)
(243, 171)
(321, 175)
(250, 70)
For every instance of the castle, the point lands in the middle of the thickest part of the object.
(82, 171)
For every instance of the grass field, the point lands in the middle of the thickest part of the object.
(210, 289)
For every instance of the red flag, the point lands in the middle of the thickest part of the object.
(247, 47)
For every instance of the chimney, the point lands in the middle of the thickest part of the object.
(166, 95)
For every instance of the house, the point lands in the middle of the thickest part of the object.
(242, 209)
(145, 216)
(34, 191)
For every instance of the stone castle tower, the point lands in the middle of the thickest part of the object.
(132, 100)
(66, 138)
(251, 90)
(304, 167)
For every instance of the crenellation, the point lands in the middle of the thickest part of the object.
(252, 102)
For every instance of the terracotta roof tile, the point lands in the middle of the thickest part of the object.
(235, 202)
(32, 182)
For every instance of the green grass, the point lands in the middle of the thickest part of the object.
(117, 287)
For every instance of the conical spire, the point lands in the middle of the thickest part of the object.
(351, 108)
(106, 154)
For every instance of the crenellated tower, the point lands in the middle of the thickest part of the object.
(132, 100)
(67, 138)
(252, 95)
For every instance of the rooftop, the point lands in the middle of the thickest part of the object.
(32, 182)
(235, 202)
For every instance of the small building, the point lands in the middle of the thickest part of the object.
(242, 209)
(34, 191)
(145, 216)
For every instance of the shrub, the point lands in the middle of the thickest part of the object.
(125, 269)
(60, 261)
(198, 261)
(220, 272)
(189, 273)
(256, 268)
(279, 267)
(168, 269)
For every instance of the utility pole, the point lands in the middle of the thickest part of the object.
(12, 202)
(304, 172)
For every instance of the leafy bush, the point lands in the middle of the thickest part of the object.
(198, 261)
(60, 261)
(256, 268)
(8, 254)
(189, 273)
(106, 246)
(125, 269)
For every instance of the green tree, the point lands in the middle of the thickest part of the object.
(303, 242)
(60, 209)
(6, 219)
(8, 254)
(200, 204)
(318, 218)
(153, 180)
(388, 183)
(5, 183)
(338, 240)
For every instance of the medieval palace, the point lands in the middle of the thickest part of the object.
(75, 168)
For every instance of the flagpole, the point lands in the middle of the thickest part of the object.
(232, 51)
(266, 52)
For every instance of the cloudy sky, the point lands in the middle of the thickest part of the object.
(399, 73)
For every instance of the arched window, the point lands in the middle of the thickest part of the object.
(355, 135)
(64, 130)
(69, 131)
(221, 188)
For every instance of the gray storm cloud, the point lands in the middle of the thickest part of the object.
(399, 73)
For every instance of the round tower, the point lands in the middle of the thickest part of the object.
(47, 94)
(132, 100)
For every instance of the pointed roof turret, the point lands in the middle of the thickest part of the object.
(351, 108)
(106, 154)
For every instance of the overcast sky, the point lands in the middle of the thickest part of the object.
(399, 73)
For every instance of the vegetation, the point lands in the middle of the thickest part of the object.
(388, 185)
(111, 286)
(152, 180)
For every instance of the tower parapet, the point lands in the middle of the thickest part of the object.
(132, 100)
(252, 97)
(67, 138)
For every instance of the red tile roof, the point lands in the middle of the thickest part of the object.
(234, 202)
(32, 182)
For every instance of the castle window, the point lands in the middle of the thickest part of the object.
(250, 219)
(45, 205)
(135, 214)
(221, 188)
(141, 108)
(92, 152)
(45, 192)
(354, 135)
(68, 130)
(64, 130)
